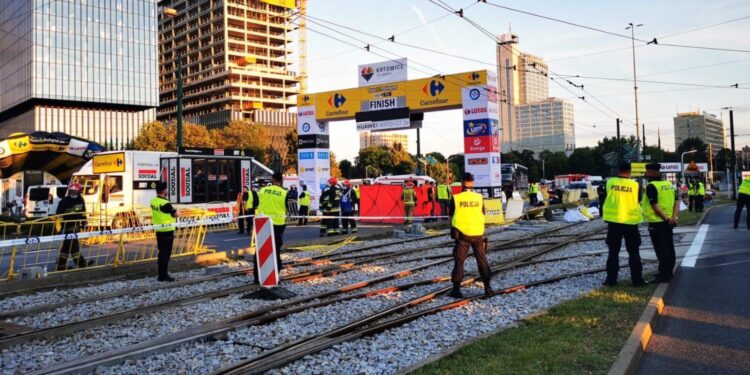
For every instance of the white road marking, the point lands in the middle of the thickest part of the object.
(695, 248)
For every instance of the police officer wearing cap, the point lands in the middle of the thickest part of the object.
(622, 211)
(163, 214)
(272, 203)
(72, 208)
(467, 229)
(660, 209)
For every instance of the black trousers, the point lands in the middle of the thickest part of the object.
(303, 211)
(70, 249)
(278, 240)
(242, 221)
(691, 202)
(461, 252)
(662, 238)
(445, 206)
(615, 233)
(332, 224)
(346, 223)
(532, 199)
(699, 203)
(743, 200)
(164, 241)
(249, 222)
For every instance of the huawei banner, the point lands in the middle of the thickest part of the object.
(313, 155)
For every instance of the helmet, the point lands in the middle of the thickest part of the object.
(332, 181)
(74, 186)
(410, 184)
(347, 183)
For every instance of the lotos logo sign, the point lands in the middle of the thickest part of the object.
(367, 73)
(336, 100)
(433, 88)
(475, 111)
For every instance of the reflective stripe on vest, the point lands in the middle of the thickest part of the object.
(160, 218)
(272, 203)
(621, 205)
(305, 201)
(409, 197)
(665, 196)
(468, 217)
(745, 187)
(442, 191)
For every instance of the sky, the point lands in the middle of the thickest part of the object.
(332, 64)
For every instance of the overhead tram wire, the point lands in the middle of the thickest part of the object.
(591, 28)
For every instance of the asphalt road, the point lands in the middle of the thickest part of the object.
(705, 326)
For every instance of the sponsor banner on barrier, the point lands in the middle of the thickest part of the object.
(382, 72)
(639, 169)
(109, 163)
(337, 104)
(307, 124)
(402, 123)
(313, 168)
(246, 174)
(306, 141)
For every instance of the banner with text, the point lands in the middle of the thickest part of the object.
(382, 72)
(313, 154)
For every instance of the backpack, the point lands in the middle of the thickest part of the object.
(346, 202)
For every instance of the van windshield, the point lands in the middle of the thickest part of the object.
(39, 194)
(89, 183)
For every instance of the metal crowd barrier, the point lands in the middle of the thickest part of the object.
(38, 248)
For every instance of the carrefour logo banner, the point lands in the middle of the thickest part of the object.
(382, 72)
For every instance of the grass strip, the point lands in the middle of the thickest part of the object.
(581, 336)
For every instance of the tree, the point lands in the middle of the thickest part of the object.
(693, 144)
(291, 150)
(154, 136)
(243, 135)
(656, 153)
(335, 171)
(555, 164)
(374, 161)
(723, 159)
(587, 160)
(456, 162)
(346, 168)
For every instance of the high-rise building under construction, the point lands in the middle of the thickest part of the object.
(236, 62)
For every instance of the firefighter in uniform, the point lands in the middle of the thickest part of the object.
(73, 211)
(250, 207)
(467, 228)
(304, 206)
(330, 202)
(349, 202)
(272, 203)
(444, 199)
(622, 211)
(162, 213)
(409, 197)
(660, 210)
(743, 200)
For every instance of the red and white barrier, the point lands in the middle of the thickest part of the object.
(265, 252)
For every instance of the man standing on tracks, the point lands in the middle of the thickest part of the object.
(467, 228)
(250, 206)
(622, 211)
(409, 197)
(272, 203)
(743, 200)
(162, 213)
(348, 203)
(330, 203)
(304, 206)
(660, 209)
(533, 189)
(73, 211)
(444, 199)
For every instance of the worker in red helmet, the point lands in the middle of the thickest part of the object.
(349, 201)
(72, 211)
(409, 197)
(330, 205)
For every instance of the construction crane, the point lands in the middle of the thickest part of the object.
(302, 6)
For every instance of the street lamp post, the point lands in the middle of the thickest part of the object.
(682, 163)
(632, 27)
(172, 13)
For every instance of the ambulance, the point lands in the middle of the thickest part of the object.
(117, 186)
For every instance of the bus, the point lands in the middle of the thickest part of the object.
(514, 176)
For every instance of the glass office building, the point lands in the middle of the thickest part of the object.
(84, 67)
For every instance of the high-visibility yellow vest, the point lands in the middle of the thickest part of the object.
(745, 187)
(621, 205)
(250, 201)
(272, 203)
(161, 218)
(305, 201)
(409, 196)
(443, 192)
(533, 189)
(356, 192)
(468, 217)
(701, 189)
(666, 198)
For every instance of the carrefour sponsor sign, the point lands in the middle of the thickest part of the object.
(382, 72)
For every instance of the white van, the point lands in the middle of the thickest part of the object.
(42, 200)
(401, 180)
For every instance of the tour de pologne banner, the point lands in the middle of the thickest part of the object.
(57, 153)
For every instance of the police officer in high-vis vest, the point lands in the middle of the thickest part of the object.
(533, 189)
(660, 209)
(444, 199)
(467, 228)
(304, 206)
(250, 206)
(272, 203)
(743, 200)
(162, 213)
(622, 211)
